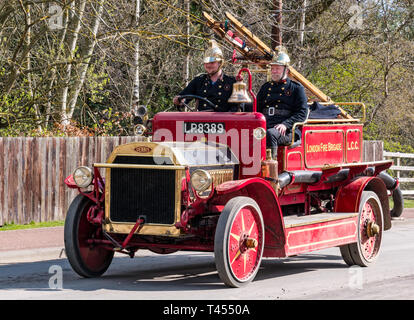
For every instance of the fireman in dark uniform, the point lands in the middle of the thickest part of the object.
(214, 85)
(283, 102)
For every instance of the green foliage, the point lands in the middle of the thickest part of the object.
(345, 78)
(113, 123)
(395, 146)
(96, 83)
(16, 113)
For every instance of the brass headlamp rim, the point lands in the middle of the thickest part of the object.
(204, 186)
(87, 175)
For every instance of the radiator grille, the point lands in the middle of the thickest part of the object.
(137, 192)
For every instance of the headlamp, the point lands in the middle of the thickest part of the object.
(201, 180)
(82, 176)
(139, 129)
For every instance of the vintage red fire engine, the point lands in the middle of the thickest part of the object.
(204, 182)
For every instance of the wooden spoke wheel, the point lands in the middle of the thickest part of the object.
(239, 241)
(370, 229)
(87, 260)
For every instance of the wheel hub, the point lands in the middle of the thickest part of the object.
(372, 229)
(247, 243)
(243, 242)
(251, 243)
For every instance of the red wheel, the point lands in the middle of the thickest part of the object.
(86, 260)
(370, 226)
(239, 242)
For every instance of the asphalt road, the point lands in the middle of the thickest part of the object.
(192, 276)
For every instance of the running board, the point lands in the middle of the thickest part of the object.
(319, 231)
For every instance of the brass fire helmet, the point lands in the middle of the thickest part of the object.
(280, 57)
(213, 53)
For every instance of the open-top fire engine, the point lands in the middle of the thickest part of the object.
(204, 181)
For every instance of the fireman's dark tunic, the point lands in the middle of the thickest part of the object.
(285, 103)
(218, 92)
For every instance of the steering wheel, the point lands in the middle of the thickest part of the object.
(192, 96)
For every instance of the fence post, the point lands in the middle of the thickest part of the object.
(372, 150)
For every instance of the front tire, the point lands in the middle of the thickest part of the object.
(87, 260)
(239, 242)
(366, 250)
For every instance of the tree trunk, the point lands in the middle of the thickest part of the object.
(30, 80)
(135, 85)
(60, 52)
(302, 23)
(277, 26)
(187, 58)
(86, 58)
(302, 29)
(77, 22)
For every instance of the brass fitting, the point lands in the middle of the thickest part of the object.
(372, 229)
(251, 243)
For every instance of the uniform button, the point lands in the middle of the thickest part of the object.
(267, 106)
(278, 100)
(280, 94)
(283, 88)
(204, 105)
(220, 86)
(216, 106)
(205, 90)
(219, 93)
(268, 94)
(219, 100)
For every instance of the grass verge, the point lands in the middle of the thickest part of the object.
(408, 203)
(31, 225)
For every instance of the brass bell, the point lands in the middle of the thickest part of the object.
(239, 94)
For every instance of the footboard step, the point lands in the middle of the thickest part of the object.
(319, 231)
(303, 220)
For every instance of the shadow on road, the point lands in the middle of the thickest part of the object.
(175, 272)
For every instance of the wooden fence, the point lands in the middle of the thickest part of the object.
(32, 171)
(403, 170)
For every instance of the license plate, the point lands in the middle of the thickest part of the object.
(204, 127)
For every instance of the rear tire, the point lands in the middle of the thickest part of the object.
(87, 260)
(366, 250)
